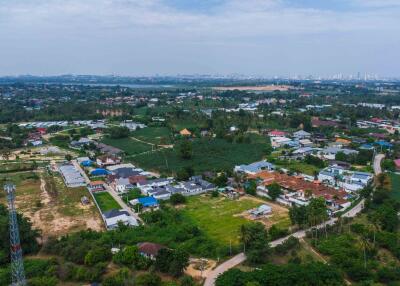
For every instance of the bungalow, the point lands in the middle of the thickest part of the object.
(277, 133)
(113, 217)
(159, 193)
(185, 132)
(303, 151)
(301, 134)
(254, 168)
(80, 143)
(107, 160)
(330, 152)
(261, 211)
(149, 250)
(277, 142)
(96, 186)
(305, 143)
(122, 185)
(331, 175)
(99, 172)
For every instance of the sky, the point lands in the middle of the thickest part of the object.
(170, 37)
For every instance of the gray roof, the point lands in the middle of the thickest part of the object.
(125, 172)
(335, 150)
(114, 213)
(256, 167)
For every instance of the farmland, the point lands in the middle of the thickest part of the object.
(207, 155)
(128, 145)
(154, 135)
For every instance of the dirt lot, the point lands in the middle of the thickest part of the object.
(278, 217)
(53, 208)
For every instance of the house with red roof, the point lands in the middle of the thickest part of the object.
(277, 133)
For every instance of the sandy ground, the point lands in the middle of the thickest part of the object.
(196, 263)
(50, 221)
(278, 212)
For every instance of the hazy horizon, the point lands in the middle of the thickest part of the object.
(170, 37)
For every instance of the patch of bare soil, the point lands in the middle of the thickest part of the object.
(200, 267)
(51, 222)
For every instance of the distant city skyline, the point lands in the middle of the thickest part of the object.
(168, 37)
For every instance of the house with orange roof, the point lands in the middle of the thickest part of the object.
(185, 132)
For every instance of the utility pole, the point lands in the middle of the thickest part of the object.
(17, 264)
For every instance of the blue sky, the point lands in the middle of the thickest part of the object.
(146, 37)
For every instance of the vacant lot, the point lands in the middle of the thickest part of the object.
(218, 217)
(154, 135)
(207, 155)
(106, 202)
(51, 206)
(128, 145)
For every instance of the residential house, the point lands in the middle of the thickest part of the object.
(277, 133)
(113, 217)
(107, 160)
(301, 134)
(330, 152)
(149, 250)
(96, 186)
(254, 168)
(277, 142)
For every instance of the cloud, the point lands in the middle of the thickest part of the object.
(155, 35)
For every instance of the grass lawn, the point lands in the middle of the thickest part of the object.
(395, 180)
(300, 167)
(128, 145)
(155, 135)
(216, 216)
(106, 202)
(207, 155)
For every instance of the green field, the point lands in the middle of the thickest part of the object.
(300, 167)
(128, 145)
(395, 180)
(208, 155)
(155, 135)
(216, 216)
(106, 202)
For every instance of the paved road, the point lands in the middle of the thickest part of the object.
(377, 163)
(241, 257)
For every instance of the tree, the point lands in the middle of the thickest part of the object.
(254, 238)
(148, 279)
(185, 149)
(274, 191)
(118, 132)
(250, 187)
(180, 260)
(97, 254)
(173, 262)
(177, 199)
(316, 211)
(298, 215)
(68, 157)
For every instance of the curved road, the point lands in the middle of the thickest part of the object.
(241, 257)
